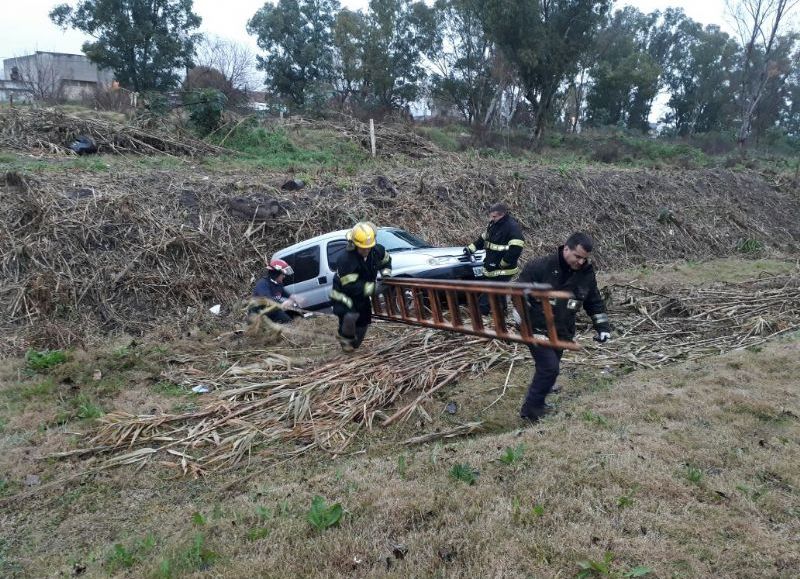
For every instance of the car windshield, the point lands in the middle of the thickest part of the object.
(399, 240)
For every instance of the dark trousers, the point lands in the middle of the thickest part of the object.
(548, 365)
(483, 300)
(364, 311)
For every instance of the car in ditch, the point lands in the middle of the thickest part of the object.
(313, 262)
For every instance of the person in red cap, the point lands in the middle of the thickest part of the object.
(277, 297)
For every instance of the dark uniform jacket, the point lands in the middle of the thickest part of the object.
(503, 242)
(553, 270)
(269, 288)
(354, 282)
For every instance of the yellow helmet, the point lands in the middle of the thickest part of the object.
(362, 235)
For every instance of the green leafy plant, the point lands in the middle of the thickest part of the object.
(38, 360)
(198, 519)
(512, 455)
(322, 516)
(591, 568)
(194, 557)
(402, 466)
(263, 513)
(694, 474)
(624, 501)
(464, 472)
(85, 409)
(169, 388)
(205, 107)
(749, 246)
(257, 534)
(122, 557)
(590, 416)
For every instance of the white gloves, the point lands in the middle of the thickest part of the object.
(603, 337)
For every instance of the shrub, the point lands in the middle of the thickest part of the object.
(44, 359)
(205, 107)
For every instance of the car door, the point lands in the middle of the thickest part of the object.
(333, 251)
(308, 283)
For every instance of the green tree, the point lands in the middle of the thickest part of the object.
(399, 33)
(296, 36)
(758, 23)
(348, 40)
(626, 76)
(777, 94)
(145, 42)
(544, 40)
(790, 112)
(463, 63)
(699, 72)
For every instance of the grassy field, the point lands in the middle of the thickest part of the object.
(690, 471)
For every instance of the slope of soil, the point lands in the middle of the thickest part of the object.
(90, 254)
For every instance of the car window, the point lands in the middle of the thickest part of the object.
(334, 251)
(305, 264)
(398, 240)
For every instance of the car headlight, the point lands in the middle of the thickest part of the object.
(444, 260)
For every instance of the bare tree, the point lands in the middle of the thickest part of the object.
(758, 23)
(41, 74)
(235, 61)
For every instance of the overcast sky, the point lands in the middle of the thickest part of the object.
(25, 27)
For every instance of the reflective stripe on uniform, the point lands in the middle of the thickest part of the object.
(343, 298)
(369, 288)
(506, 247)
(472, 248)
(386, 272)
(386, 258)
(349, 278)
(483, 235)
(600, 318)
(261, 305)
(496, 246)
(496, 272)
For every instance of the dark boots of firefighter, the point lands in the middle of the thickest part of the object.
(347, 331)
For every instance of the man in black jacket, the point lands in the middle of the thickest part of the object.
(355, 283)
(503, 242)
(569, 270)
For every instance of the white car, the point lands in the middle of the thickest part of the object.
(314, 262)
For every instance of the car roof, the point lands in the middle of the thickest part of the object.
(340, 234)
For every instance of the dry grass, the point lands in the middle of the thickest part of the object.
(87, 255)
(690, 470)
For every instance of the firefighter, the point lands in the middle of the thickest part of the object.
(355, 282)
(567, 269)
(269, 295)
(503, 242)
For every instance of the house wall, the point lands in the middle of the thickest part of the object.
(16, 91)
(75, 73)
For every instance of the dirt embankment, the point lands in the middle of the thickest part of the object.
(85, 254)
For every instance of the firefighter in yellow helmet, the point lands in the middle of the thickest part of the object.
(355, 283)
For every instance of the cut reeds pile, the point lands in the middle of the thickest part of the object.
(391, 140)
(50, 131)
(656, 328)
(269, 408)
(87, 254)
(285, 413)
